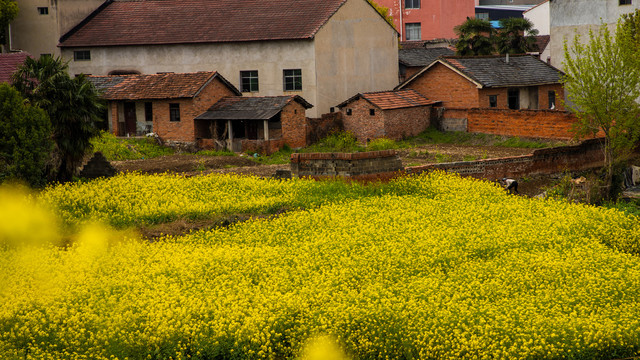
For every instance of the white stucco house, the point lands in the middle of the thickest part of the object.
(569, 18)
(324, 51)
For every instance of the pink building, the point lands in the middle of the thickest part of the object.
(428, 19)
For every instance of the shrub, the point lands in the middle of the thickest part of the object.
(382, 144)
(25, 139)
(114, 148)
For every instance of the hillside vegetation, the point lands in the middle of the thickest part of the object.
(429, 267)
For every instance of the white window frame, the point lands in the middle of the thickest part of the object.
(413, 31)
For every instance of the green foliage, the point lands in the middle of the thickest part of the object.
(603, 83)
(282, 156)
(516, 142)
(342, 141)
(25, 141)
(225, 152)
(383, 144)
(475, 37)
(73, 106)
(516, 36)
(631, 207)
(115, 149)
(8, 11)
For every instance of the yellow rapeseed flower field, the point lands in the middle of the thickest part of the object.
(429, 267)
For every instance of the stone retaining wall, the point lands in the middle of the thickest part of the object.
(373, 165)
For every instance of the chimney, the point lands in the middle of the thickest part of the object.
(507, 60)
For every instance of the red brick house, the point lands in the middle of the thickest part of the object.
(165, 104)
(414, 59)
(262, 124)
(391, 114)
(514, 82)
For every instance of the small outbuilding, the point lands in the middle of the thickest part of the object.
(390, 114)
(262, 124)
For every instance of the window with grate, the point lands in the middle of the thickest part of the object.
(43, 10)
(493, 100)
(174, 112)
(249, 81)
(625, 2)
(412, 31)
(292, 80)
(412, 4)
(82, 55)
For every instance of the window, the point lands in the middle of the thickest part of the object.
(174, 112)
(292, 80)
(514, 99)
(372, 112)
(349, 112)
(412, 4)
(82, 55)
(413, 31)
(43, 10)
(625, 2)
(482, 16)
(249, 81)
(493, 100)
(552, 100)
(148, 112)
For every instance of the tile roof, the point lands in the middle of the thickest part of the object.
(147, 22)
(542, 41)
(495, 71)
(422, 56)
(397, 99)
(250, 108)
(9, 63)
(155, 86)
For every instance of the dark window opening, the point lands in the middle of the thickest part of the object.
(43, 10)
(552, 99)
(413, 32)
(292, 80)
(625, 2)
(493, 100)
(372, 112)
(332, 109)
(174, 112)
(249, 81)
(412, 4)
(514, 99)
(82, 55)
(148, 112)
(349, 112)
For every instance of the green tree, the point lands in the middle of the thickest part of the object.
(632, 23)
(73, 105)
(603, 84)
(25, 139)
(8, 12)
(516, 36)
(475, 37)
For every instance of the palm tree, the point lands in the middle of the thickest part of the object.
(73, 105)
(475, 37)
(516, 36)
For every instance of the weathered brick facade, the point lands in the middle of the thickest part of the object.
(183, 130)
(444, 84)
(294, 125)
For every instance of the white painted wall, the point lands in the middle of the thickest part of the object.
(540, 17)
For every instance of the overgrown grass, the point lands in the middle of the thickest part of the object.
(216, 153)
(128, 148)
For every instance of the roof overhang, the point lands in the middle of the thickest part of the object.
(435, 62)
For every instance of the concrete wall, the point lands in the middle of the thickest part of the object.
(575, 17)
(355, 52)
(373, 165)
(437, 18)
(39, 34)
(540, 17)
(269, 58)
(587, 155)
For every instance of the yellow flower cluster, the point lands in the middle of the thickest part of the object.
(425, 267)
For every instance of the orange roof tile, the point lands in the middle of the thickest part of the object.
(398, 99)
(155, 86)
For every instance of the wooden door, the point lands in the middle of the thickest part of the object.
(130, 118)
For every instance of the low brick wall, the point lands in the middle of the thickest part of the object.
(451, 119)
(373, 165)
(586, 155)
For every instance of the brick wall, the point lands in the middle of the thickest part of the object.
(443, 84)
(401, 123)
(451, 119)
(294, 125)
(361, 123)
(320, 128)
(586, 155)
(502, 96)
(373, 165)
(183, 130)
(548, 124)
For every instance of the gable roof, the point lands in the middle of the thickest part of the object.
(422, 56)
(495, 71)
(156, 86)
(250, 108)
(148, 22)
(9, 63)
(388, 100)
(542, 41)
